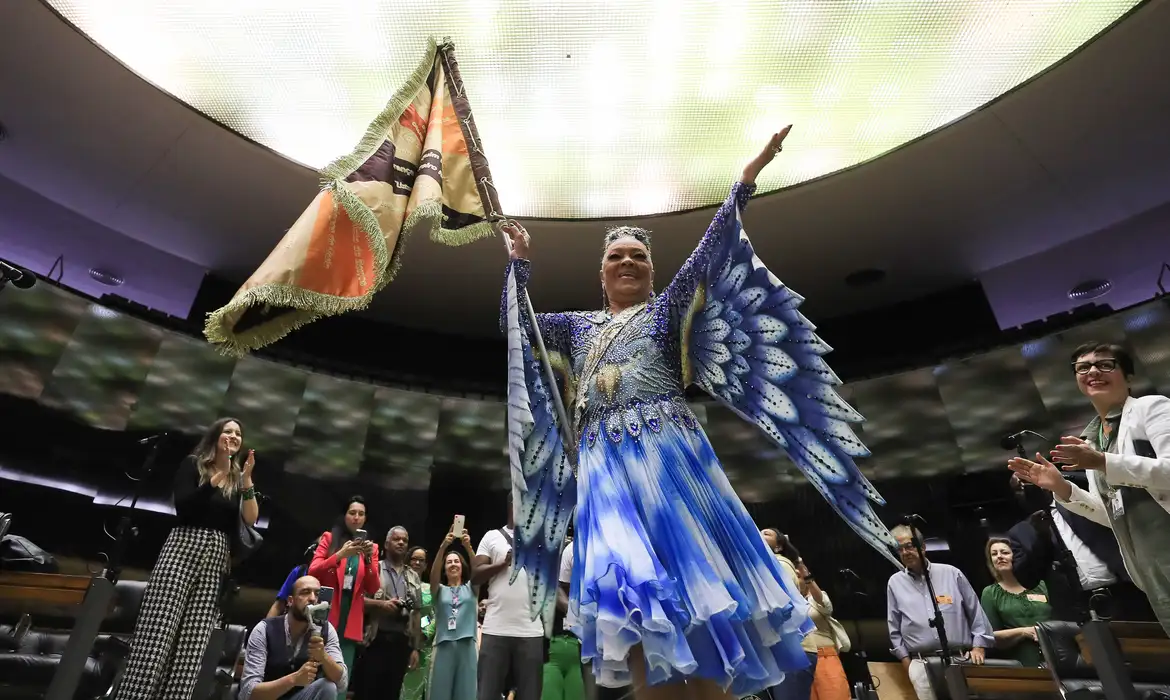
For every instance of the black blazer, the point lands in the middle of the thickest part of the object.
(1039, 554)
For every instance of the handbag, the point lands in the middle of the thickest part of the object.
(839, 635)
(246, 540)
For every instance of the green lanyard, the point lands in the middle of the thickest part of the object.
(1101, 442)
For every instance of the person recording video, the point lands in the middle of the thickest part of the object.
(288, 659)
(347, 561)
(394, 634)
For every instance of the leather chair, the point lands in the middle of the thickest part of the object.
(227, 683)
(29, 654)
(1075, 676)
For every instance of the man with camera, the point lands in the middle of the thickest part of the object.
(293, 656)
(395, 633)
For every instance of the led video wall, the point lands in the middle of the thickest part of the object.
(116, 372)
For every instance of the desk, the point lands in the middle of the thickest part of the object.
(1143, 643)
(1008, 680)
(49, 594)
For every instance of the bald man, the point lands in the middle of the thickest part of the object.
(284, 663)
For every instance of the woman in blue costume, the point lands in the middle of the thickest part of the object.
(673, 589)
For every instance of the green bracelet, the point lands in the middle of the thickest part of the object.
(248, 494)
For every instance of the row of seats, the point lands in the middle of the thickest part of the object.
(29, 654)
(1069, 674)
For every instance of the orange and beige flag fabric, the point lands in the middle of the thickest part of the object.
(419, 168)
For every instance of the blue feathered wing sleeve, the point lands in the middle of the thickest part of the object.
(544, 492)
(745, 342)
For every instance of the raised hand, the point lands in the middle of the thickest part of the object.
(519, 238)
(1075, 453)
(249, 465)
(466, 539)
(775, 144)
(1041, 473)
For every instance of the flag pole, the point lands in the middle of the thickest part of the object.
(549, 377)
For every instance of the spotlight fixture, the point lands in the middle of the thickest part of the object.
(110, 279)
(1090, 289)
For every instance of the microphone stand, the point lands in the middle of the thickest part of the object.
(126, 532)
(937, 621)
(864, 689)
(98, 597)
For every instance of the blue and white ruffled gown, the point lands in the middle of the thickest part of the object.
(666, 555)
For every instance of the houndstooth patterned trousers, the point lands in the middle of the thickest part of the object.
(179, 610)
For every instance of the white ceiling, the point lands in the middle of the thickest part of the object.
(1078, 149)
(655, 102)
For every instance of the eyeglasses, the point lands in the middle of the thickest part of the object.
(1107, 365)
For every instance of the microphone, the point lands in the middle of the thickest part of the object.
(19, 277)
(152, 439)
(1012, 442)
(914, 520)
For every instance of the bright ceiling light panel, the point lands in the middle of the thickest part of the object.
(600, 108)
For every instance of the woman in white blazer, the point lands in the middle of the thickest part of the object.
(1126, 450)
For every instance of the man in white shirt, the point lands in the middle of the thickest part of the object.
(512, 640)
(1074, 556)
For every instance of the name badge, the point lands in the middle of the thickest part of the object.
(944, 599)
(1116, 504)
(1037, 597)
(347, 583)
(451, 624)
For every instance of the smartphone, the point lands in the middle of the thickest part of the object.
(325, 595)
(457, 527)
(361, 535)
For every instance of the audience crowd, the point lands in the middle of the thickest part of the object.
(406, 623)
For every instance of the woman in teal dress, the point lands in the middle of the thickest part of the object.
(1014, 611)
(455, 657)
(414, 686)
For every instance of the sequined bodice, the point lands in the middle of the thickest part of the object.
(628, 372)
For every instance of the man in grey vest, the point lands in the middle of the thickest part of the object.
(284, 662)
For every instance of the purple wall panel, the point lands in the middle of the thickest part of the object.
(35, 230)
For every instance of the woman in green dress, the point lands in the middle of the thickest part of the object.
(414, 686)
(1014, 611)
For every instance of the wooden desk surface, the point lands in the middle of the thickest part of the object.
(53, 594)
(1143, 642)
(1008, 680)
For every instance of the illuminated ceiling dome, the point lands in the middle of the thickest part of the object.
(603, 108)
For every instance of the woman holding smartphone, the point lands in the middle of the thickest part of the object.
(455, 659)
(347, 561)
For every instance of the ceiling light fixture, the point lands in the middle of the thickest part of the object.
(670, 83)
(1090, 289)
(106, 277)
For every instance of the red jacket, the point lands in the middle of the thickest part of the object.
(330, 571)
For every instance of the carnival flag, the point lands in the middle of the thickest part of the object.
(418, 168)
